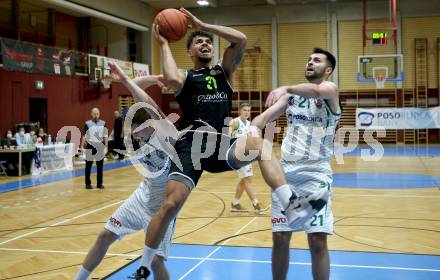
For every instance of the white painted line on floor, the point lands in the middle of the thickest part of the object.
(61, 252)
(229, 260)
(62, 222)
(434, 196)
(215, 250)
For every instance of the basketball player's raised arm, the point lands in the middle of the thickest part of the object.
(325, 90)
(234, 53)
(138, 94)
(271, 113)
(174, 78)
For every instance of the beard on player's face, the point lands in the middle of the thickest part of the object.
(314, 72)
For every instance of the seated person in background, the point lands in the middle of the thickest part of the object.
(33, 136)
(22, 138)
(42, 134)
(8, 140)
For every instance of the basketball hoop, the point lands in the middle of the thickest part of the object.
(106, 83)
(380, 81)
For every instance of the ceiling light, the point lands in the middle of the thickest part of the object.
(202, 3)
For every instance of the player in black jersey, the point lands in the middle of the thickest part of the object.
(204, 94)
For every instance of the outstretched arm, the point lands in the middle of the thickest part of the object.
(174, 77)
(272, 113)
(138, 94)
(326, 90)
(234, 53)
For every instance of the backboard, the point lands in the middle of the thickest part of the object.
(380, 69)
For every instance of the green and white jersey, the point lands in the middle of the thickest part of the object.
(242, 128)
(308, 144)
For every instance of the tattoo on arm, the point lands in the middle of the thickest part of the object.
(239, 56)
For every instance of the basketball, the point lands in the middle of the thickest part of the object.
(172, 23)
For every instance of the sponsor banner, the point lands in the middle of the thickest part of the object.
(140, 70)
(53, 157)
(32, 58)
(398, 118)
(126, 66)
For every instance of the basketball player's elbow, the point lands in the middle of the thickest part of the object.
(173, 82)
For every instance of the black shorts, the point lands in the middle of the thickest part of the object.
(201, 151)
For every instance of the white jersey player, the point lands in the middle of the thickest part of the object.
(312, 111)
(136, 212)
(237, 128)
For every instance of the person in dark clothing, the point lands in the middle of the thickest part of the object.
(8, 140)
(118, 137)
(94, 145)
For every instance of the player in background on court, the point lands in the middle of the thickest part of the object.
(204, 94)
(135, 213)
(239, 127)
(312, 110)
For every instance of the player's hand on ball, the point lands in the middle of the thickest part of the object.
(274, 95)
(159, 38)
(193, 20)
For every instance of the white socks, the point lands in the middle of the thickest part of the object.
(83, 274)
(235, 201)
(254, 201)
(147, 257)
(283, 193)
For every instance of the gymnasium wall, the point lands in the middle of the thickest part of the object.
(131, 10)
(295, 43)
(350, 45)
(420, 27)
(114, 36)
(69, 100)
(418, 18)
(258, 36)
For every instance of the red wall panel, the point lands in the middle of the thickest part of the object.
(69, 100)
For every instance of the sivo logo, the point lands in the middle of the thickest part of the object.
(115, 222)
(279, 220)
(365, 118)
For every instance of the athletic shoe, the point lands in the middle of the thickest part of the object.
(259, 209)
(89, 187)
(238, 208)
(302, 208)
(141, 274)
(100, 187)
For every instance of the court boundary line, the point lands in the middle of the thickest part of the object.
(225, 260)
(62, 222)
(353, 195)
(216, 249)
(59, 176)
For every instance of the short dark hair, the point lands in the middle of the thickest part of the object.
(140, 117)
(330, 58)
(197, 33)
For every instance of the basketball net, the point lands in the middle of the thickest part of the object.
(380, 81)
(106, 83)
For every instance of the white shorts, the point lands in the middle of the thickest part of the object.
(245, 171)
(132, 217)
(320, 222)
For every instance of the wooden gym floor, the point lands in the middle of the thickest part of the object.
(390, 206)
